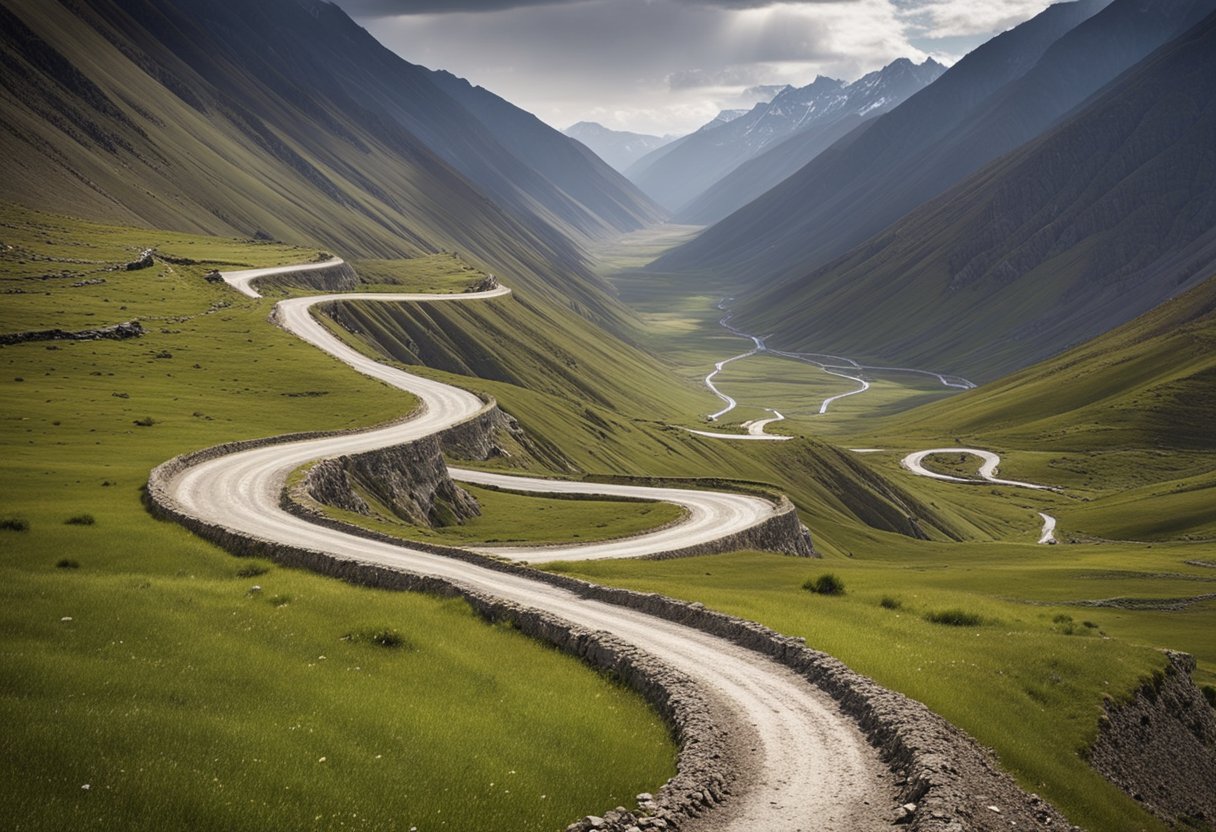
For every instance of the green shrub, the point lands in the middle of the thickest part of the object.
(67, 563)
(145, 422)
(890, 602)
(15, 524)
(954, 618)
(253, 570)
(80, 520)
(379, 636)
(826, 584)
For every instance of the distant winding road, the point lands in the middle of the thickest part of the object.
(914, 462)
(810, 767)
(834, 365)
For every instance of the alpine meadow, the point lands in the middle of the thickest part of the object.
(621, 415)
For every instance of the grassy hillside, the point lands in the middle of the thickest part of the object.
(1122, 419)
(1099, 220)
(150, 680)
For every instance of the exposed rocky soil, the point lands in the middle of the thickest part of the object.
(1160, 747)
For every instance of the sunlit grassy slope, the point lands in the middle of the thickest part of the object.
(1122, 422)
(150, 680)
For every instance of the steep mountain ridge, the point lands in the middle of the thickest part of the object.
(614, 203)
(712, 152)
(815, 131)
(1099, 220)
(280, 116)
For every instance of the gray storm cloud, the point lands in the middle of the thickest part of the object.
(375, 8)
(666, 66)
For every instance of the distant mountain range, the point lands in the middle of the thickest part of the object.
(618, 148)
(1107, 214)
(826, 106)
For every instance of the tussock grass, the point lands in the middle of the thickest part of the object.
(826, 584)
(954, 618)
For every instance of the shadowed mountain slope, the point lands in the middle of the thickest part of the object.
(615, 204)
(1099, 220)
(682, 175)
(1001, 95)
(281, 116)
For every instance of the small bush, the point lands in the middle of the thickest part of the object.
(15, 524)
(145, 422)
(67, 563)
(379, 636)
(1062, 619)
(889, 602)
(826, 584)
(954, 618)
(253, 570)
(80, 520)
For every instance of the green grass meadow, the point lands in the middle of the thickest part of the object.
(146, 683)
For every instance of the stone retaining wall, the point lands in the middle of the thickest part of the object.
(341, 277)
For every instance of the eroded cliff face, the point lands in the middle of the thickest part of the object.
(410, 480)
(1160, 747)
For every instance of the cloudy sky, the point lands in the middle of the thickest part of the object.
(668, 66)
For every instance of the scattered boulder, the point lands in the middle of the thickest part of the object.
(116, 332)
(144, 261)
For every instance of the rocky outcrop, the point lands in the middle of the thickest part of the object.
(487, 284)
(117, 332)
(144, 261)
(340, 277)
(410, 480)
(1160, 746)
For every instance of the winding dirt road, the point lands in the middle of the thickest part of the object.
(914, 462)
(833, 365)
(809, 766)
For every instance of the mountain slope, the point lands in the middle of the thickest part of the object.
(1101, 219)
(865, 182)
(866, 98)
(614, 203)
(198, 115)
(619, 148)
(710, 154)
